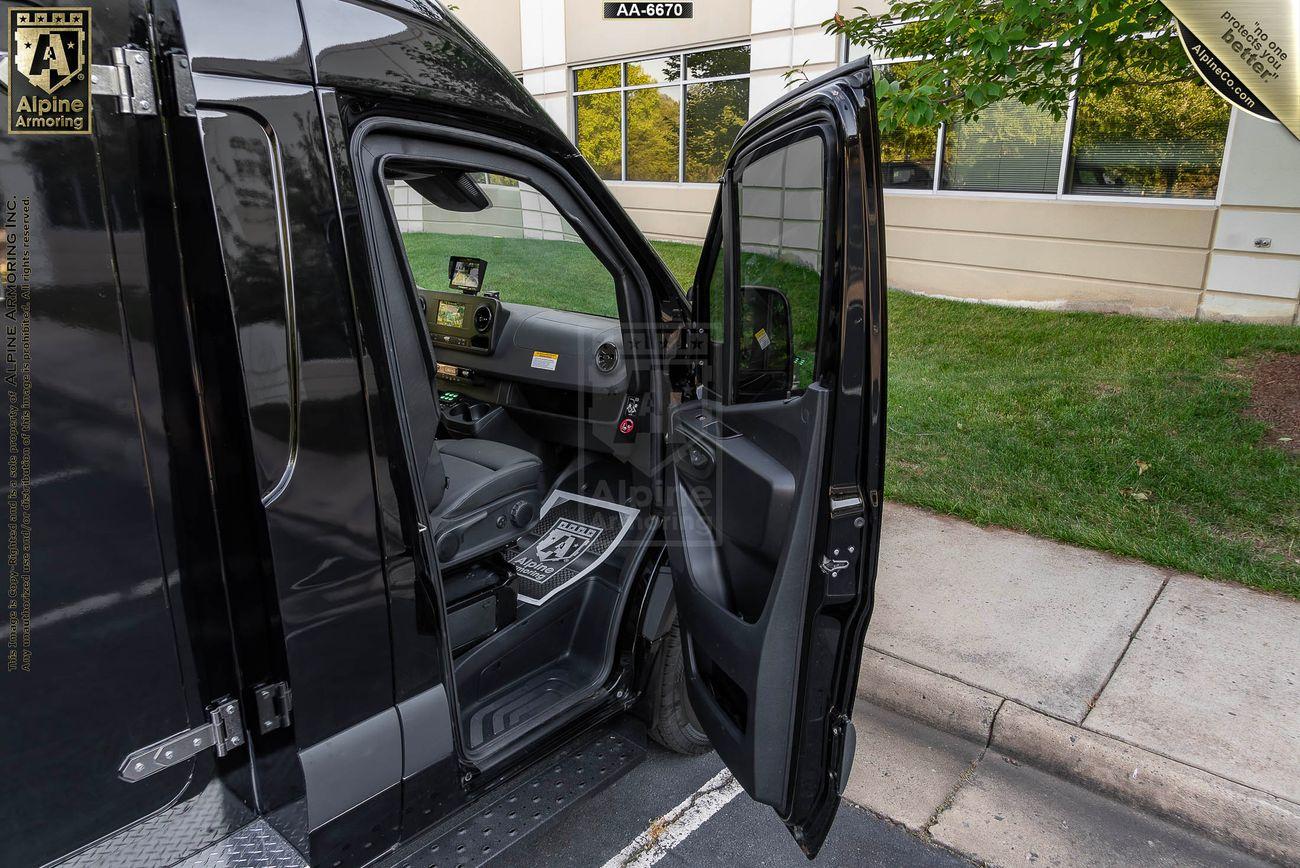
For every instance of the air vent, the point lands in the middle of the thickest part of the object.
(606, 357)
(483, 318)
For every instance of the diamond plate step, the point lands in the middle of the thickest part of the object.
(523, 808)
(256, 845)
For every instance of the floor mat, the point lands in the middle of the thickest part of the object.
(573, 537)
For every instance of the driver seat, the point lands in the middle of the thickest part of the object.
(493, 493)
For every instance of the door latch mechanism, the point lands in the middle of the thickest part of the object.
(223, 731)
(833, 568)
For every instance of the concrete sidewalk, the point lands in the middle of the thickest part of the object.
(1161, 690)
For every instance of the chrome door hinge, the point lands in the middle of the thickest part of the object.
(223, 731)
(183, 81)
(129, 78)
(274, 703)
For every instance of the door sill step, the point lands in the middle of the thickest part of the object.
(508, 817)
(256, 844)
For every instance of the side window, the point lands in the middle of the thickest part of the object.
(533, 255)
(781, 203)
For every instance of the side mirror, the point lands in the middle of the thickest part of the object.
(765, 360)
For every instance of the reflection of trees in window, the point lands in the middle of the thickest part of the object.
(653, 118)
(718, 62)
(906, 152)
(597, 77)
(600, 134)
(1010, 148)
(1161, 139)
(643, 100)
(656, 71)
(715, 112)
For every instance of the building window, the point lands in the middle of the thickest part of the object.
(1009, 148)
(671, 118)
(1161, 140)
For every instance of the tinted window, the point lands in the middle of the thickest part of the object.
(781, 201)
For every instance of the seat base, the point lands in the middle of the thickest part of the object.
(492, 496)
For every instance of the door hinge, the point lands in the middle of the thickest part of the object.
(274, 703)
(183, 82)
(223, 731)
(129, 78)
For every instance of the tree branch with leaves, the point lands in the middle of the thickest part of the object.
(969, 54)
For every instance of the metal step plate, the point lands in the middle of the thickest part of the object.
(256, 845)
(525, 807)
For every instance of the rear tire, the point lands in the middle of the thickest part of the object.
(673, 723)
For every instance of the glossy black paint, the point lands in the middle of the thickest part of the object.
(217, 501)
(129, 629)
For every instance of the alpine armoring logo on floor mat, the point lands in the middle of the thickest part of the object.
(556, 550)
(575, 535)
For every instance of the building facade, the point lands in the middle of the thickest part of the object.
(1198, 217)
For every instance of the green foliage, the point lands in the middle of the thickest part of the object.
(975, 53)
(559, 274)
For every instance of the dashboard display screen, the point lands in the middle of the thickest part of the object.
(451, 315)
(466, 273)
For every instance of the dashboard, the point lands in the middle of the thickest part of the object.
(540, 362)
(461, 321)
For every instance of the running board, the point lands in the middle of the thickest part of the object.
(256, 844)
(524, 807)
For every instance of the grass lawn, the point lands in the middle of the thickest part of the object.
(1117, 433)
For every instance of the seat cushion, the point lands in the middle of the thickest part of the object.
(480, 472)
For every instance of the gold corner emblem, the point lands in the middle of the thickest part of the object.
(49, 74)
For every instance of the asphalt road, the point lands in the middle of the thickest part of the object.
(740, 833)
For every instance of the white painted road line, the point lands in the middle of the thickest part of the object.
(676, 826)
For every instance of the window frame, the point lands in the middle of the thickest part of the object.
(623, 89)
(1067, 146)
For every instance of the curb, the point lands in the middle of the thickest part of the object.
(1242, 817)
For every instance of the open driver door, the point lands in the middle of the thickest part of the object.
(776, 468)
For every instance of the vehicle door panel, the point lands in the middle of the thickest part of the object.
(776, 473)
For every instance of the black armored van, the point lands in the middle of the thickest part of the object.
(365, 462)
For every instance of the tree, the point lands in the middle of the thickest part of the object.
(973, 53)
